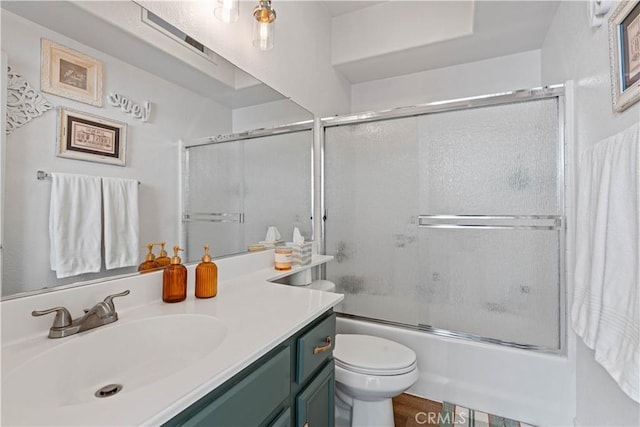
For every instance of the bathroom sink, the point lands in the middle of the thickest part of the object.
(132, 354)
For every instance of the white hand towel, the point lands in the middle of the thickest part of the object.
(606, 308)
(75, 224)
(121, 222)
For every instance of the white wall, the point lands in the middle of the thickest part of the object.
(575, 51)
(423, 23)
(276, 113)
(518, 71)
(152, 153)
(299, 65)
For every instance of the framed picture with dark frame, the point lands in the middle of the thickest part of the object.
(87, 137)
(70, 74)
(624, 53)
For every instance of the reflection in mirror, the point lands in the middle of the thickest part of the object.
(191, 96)
(238, 187)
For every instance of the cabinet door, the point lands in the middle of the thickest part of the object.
(284, 420)
(315, 404)
(250, 401)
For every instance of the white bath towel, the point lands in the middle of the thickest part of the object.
(121, 222)
(606, 307)
(75, 224)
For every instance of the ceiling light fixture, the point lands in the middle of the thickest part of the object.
(263, 25)
(227, 10)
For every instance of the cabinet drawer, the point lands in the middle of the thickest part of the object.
(315, 347)
(250, 402)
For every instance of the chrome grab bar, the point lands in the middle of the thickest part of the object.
(495, 222)
(232, 217)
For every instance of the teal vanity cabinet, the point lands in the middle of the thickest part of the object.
(292, 385)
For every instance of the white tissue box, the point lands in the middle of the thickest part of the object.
(301, 253)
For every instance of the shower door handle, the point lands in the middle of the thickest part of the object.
(495, 222)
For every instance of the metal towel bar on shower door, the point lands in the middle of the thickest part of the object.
(237, 217)
(495, 222)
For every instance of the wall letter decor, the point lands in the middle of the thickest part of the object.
(129, 107)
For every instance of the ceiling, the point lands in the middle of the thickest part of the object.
(337, 7)
(499, 28)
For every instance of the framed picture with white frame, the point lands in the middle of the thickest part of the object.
(624, 53)
(70, 74)
(83, 136)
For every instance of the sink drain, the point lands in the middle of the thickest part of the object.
(108, 390)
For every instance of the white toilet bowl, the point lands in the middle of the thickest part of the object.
(369, 372)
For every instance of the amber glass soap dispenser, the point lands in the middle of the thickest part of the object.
(150, 262)
(162, 258)
(206, 277)
(174, 279)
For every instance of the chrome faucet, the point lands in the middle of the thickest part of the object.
(100, 314)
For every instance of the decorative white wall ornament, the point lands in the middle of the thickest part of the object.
(597, 11)
(24, 103)
(129, 107)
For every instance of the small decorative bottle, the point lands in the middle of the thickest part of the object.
(206, 277)
(174, 279)
(150, 262)
(162, 258)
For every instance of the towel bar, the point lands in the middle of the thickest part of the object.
(41, 175)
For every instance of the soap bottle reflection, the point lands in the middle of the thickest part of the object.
(150, 262)
(162, 258)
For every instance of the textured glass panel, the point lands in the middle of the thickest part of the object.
(214, 186)
(223, 239)
(500, 284)
(491, 160)
(277, 185)
(267, 179)
(215, 178)
(371, 175)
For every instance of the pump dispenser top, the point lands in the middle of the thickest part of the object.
(206, 276)
(150, 262)
(174, 279)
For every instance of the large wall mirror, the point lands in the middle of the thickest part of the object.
(195, 97)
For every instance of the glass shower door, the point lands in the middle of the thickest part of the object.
(490, 222)
(451, 221)
(236, 189)
(214, 199)
(371, 184)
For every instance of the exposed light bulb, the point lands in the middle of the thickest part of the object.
(263, 25)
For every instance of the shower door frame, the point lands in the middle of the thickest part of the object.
(226, 217)
(539, 93)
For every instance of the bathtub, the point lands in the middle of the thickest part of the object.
(532, 387)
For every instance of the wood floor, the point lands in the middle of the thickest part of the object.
(413, 411)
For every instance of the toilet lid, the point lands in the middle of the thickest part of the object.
(373, 355)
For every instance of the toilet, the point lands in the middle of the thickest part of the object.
(369, 371)
(322, 285)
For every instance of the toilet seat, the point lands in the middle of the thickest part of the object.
(370, 355)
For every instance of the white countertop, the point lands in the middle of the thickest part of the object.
(258, 316)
